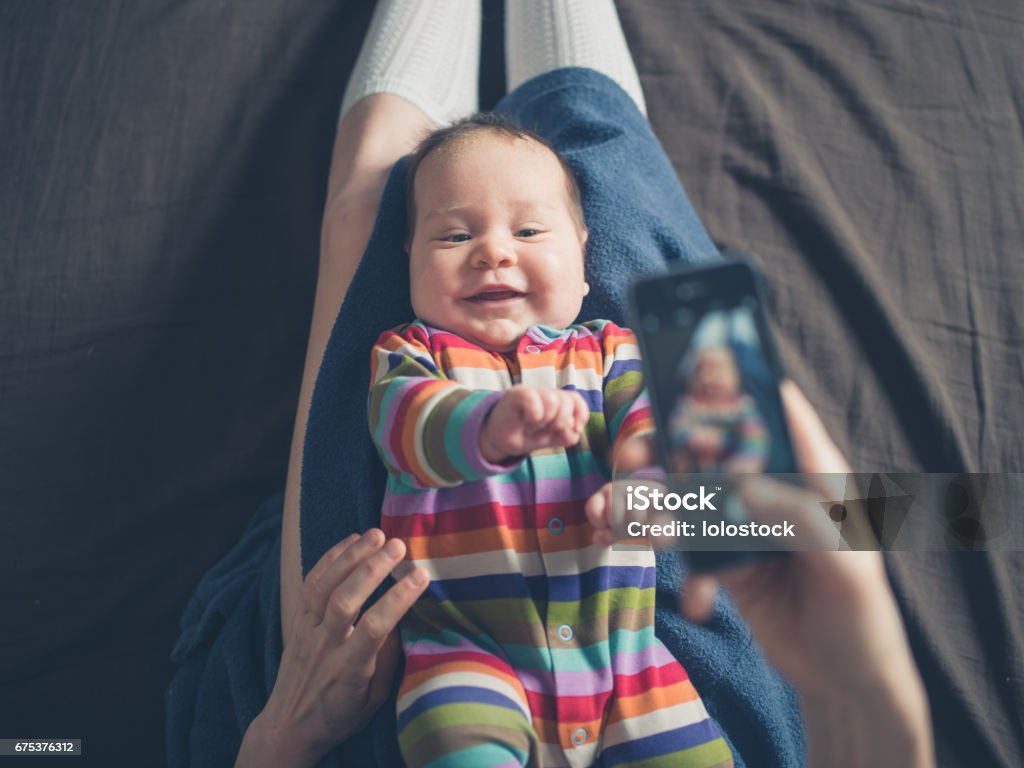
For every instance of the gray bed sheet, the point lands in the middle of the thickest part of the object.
(162, 175)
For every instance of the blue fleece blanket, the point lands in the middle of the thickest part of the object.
(639, 219)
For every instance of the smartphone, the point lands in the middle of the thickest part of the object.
(712, 372)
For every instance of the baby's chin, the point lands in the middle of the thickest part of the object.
(496, 336)
(504, 339)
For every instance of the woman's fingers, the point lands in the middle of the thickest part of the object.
(334, 567)
(329, 557)
(314, 588)
(348, 597)
(597, 506)
(384, 671)
(333, 676)
(342, 568)
(815, 451)
(379, 622)
(598, 510)
(697, 599)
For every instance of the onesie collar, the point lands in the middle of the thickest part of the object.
(545, 334)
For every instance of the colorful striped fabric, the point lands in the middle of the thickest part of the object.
(743, 436)
(531, 646)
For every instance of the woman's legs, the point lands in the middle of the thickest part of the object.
(544, 35)
(426, 52)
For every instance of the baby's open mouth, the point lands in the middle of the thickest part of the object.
(497, 294)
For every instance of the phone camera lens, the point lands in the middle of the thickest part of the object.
(684, 291)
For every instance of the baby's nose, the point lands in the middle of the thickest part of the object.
(494, 252)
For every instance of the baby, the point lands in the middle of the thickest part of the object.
(716, 427)
(497, 418)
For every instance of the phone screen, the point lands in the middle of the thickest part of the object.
(712, 372)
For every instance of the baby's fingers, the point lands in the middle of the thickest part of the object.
(534, 406)
(555, 411)
(598, 509)
(531, 406)
(581, 412)
(572, 416)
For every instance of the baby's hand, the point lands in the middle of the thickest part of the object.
(527, 419)
(607, 509)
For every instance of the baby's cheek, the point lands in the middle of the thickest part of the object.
(428, 300)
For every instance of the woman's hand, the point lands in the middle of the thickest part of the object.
(816, 613)
(335, 671)
(827, 619)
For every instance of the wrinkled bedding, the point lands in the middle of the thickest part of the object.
(162, 177)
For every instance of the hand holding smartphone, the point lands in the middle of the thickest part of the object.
(713, 375)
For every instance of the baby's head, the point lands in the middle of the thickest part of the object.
(715, 373)
(495, 233)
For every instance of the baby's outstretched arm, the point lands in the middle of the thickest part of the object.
(526, 419)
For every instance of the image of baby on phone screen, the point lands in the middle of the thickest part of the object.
(715, 426)
(498, 416)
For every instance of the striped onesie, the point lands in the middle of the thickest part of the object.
(531, 646)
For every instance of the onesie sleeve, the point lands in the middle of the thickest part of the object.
(425, 426)
(627, 407)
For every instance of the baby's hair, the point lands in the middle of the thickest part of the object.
(484, 122)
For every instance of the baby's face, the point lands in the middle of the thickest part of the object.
(716, 374)
(495, 248)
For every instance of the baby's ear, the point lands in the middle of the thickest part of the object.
(584, 234)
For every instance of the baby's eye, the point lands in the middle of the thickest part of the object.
(527, 232)
(459, 237)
